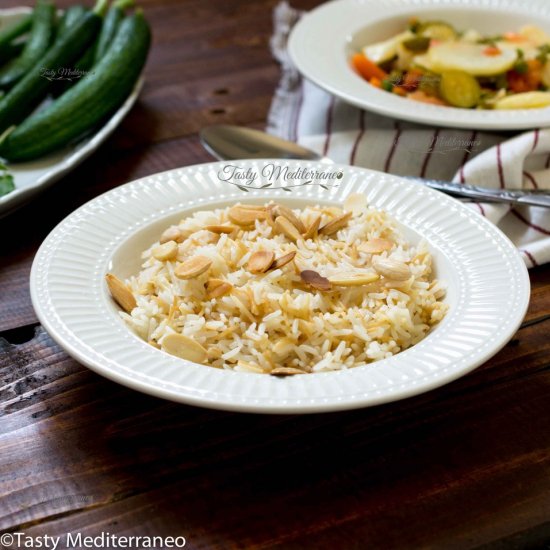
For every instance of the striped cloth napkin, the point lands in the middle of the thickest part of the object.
(302, 112)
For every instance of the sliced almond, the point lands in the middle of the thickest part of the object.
(391, 269)
(283, 260)
(353, 279)
(121, 293)
(375, 246)
(219, 229)
(245, 215)
(260, 261)
(286, 212)
(313, 229)
(286, 371)
(355, 203)
(253, 207)
(171, 234)
(166, 251)
(287, 228)
(336, 224)
(270, 214)
(217, 287)
(193, 267)
(313, 279)
(184, 347)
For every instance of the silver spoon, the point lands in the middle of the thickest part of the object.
(227, 142)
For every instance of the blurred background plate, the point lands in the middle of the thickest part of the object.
(31, 178)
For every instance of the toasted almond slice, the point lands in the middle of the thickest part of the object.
(171, 234)
(313, 229)
(281, 210)
(219, 229)
(313, 279)
(353, 279)
(287, 228)
(391, 269)
(260, 261)
(283, 260)
(355, 203)
(244, 215)
(253, 207)
(121, 293)
(336, 224)
(270, 214)
(193, 267)
(375, 246)
(166, 251)
(217, 287)
(184, 347)
(286, 371)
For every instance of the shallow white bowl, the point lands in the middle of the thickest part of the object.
(323, 41)
(488, 290)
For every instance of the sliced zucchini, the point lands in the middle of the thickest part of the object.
(459, 89)
(437, 30)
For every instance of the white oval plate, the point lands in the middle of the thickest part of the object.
(31, 178)
(487, 282)
(323, 41)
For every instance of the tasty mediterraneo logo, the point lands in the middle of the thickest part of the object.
(272, 176)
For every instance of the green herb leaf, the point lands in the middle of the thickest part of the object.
(6, 184)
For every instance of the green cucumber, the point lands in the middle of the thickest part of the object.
(110, 26)
(9, 51)
(22, 99)
(39, 41)
(97, 50)
(89, 102)
(71, 15)
(15, 31)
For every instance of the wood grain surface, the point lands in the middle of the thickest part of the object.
(464, 466)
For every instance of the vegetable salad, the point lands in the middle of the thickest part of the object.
(432, 62)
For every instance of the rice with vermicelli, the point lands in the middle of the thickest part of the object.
(351, 290)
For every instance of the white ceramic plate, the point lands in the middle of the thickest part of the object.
(322, 42)
(487, 282)
(30, 178)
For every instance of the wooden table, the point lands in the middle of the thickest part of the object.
(464, 466)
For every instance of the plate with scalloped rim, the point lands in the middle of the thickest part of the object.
(33, 177)
(486, 279)
(323, 41)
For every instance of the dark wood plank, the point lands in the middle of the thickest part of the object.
(463, 466)
(130, 463)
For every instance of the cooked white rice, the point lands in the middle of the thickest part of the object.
(274, 321)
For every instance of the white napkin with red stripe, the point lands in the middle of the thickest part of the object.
(303, 112)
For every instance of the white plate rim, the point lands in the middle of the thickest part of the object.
(57, 287)
(80, 152)
(347, 16)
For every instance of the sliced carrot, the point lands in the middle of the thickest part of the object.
(366, 68)
(376, 82)
(528, 81)
(492, 51)
(419, 95)
(399, 91)
(412, 79)
(513, 37)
